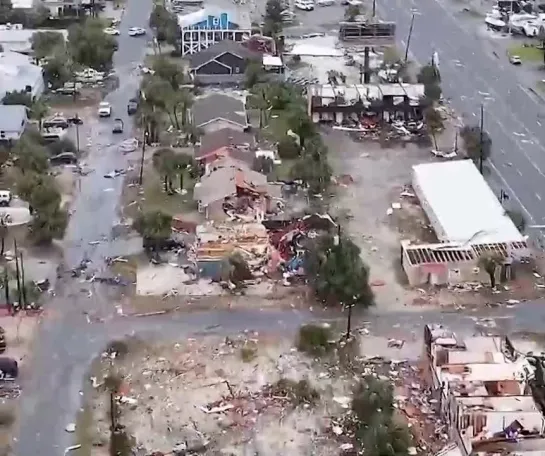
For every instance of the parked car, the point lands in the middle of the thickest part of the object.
(305, 5)
(104, 109)
(89, 75)
(9, 368)
(75, 120)
(53, 134)
(132, 106)
(64, 158)
(56, 122)
(5, 197)
(111, 31)
(515, 60)
(118, 126)
(137, 31)
(69, 88)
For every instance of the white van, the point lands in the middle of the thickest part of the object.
(305, 5)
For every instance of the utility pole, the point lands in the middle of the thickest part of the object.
(374, 7)
(77, 133)
(24, 301)
(409, 39)
(6, 291)
(141, 177)
(337, 242)
(18, 275)
(481, 158)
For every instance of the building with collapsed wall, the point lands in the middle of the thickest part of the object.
(469, 222)
(347, 103)
(482, 390)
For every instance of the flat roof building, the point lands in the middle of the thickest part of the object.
(461, 206)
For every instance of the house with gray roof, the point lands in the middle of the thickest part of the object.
(217, 111)
(223, 63)
(13, 121)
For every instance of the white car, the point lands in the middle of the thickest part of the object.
(305, 5)
(111, 31)
(515, 60)
(136, 31)
(104, 109)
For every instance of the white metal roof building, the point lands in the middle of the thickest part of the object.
(460, 205)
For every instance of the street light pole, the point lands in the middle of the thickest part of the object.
(481, 160)
(409, 39)
(77, 133)
(141, 177)
(374, 7)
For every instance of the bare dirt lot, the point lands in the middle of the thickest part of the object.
(382, 210)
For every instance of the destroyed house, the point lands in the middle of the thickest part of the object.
(341, 103)
(229, 185)
(216, 242)
(481, 384)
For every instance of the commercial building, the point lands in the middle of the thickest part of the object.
(468, 220)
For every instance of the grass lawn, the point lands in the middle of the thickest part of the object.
(155, 197)
(276, 127)
(527, 53)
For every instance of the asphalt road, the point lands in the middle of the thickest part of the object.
(472, 75)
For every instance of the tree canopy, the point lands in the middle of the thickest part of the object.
(154, 226)
(89, 46)
(337, 273)
(476, 146)
(46, 42)
(273, 18)
(165, 25)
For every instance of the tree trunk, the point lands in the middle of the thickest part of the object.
(181, 177)
(176, 119)
(492, 275)
(2, 245)
(165, 183)
(184, 115)
(434, 140)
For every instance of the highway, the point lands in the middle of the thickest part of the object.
(471, 75)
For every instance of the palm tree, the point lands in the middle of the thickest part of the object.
(490, 261)
(3, 232)
(155, 226)
(186, 102)
(165, 163)
(184, 164)
(260, 100)
(39, 111)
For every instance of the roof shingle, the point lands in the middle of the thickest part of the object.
(200, 58)
(224, 137)
(218, 106)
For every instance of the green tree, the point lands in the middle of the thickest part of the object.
(18, 98)
(352, 12)
(259, 99)
(6, 10)
(165, 163)
(388, 438)
(429, 74)
(475, 148)
(337, 273)
(314, 172)
(89, 46)
(254, 73)
(170, 72)
(490, 262)
(273, 20)
(48, 224)
(165, 25)
(372, 402)
(288, 148)
(30, 156)
(300, 123)
(45, 43)
(184, 165)
(155, 227)
(57, 70)
(434, 123)
(38, 111)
